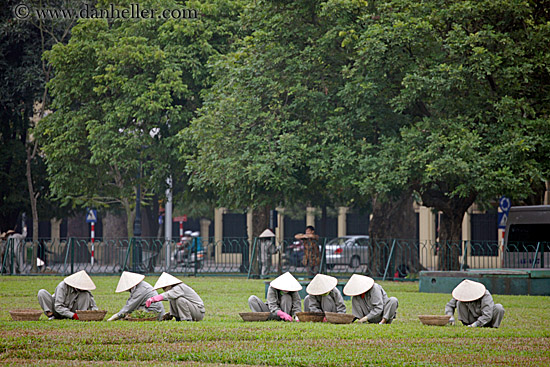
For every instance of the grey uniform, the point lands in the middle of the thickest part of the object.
(65, 301)
(482, 312)
(138, 295)
(375, 304)
(332, 302)
(289, 303)
(185, 303)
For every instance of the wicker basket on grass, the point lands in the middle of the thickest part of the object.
(254, 316)
(310, 316)
(91, 315)
(339, 318)
(435, 320)
(26, 314)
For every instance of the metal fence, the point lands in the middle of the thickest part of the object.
(381, 259)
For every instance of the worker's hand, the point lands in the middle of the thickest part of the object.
(362, 320)
(325, 319)
(284, 316)
(153, 300)
(75, 316)
(451, 321)
(114, 317)
(473, 325)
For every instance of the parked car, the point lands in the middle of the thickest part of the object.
(348, 250)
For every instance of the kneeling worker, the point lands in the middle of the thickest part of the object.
(71, 294)
(283, 299)
(475, 305)
(323, 296)
(140, 292)
(185, 303)
(369, 300)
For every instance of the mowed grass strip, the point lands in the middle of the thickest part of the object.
(222, 338)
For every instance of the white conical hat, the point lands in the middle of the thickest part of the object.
(267, 233)
(166, 280)
(358, 284)
(468, 291)
(128, 280)
(286, 282)
(80, 280)
(321, 284)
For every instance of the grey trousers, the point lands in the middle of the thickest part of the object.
(257, 305)
(389, 312)
(329, 305)
(185, 310)
(467, 318)
(46, 301)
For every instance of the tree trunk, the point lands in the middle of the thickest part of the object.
(393, 220)
(450, 227)
(114, 226)
(33, 199)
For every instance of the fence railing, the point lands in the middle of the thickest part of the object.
(381, 259)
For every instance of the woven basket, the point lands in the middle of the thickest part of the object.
(25, 314)
(435, 320)
(254, 316)
(95, 315)
(339, 318)
(310, 316)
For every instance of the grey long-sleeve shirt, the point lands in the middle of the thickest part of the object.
(274, 301)
(373, 302)
(327, 303)
(481, 309)
(183, 290)
(65, 298)
(138, 296)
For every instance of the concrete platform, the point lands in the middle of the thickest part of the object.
(534, 282)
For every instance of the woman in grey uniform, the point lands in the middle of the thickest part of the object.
(140, 292)
(283, 299)
(72, 294)
(369, 300)
(323, 296)
(475, 305)
(185, 303)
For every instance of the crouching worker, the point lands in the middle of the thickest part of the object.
(70, 295)
(283, 299)
(140, 292)
(369, 300)
(323, 296)
(475, 306)
(185, 303)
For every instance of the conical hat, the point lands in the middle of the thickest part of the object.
(358, 284)
(128, 280)
(468, 291)
(286, 282)
(267, 233)
(80, 280)
(166, 280)
(321, 284)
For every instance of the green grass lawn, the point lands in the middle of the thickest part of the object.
(223, 338)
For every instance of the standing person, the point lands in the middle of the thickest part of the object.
(71, 294)
(185, 303)
(283, 299)
(16, 242)
(369, 300)
(475, 305)
(140, 292)
(312, 255)
(323, 296)
(266, 249)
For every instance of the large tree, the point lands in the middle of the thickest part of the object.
(472, 79)
(122, 89)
